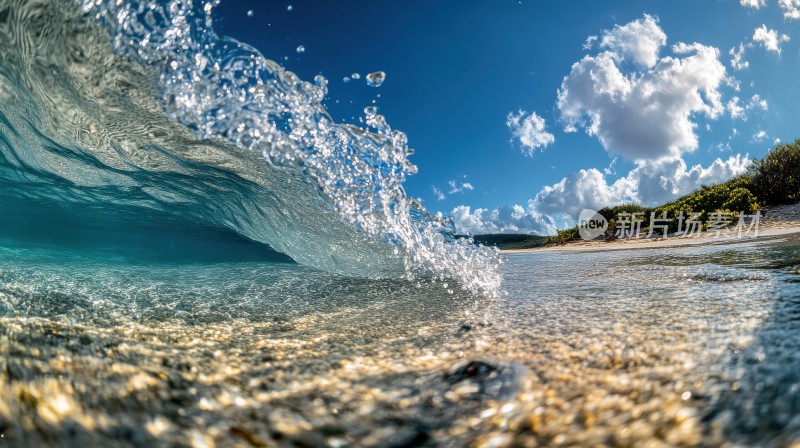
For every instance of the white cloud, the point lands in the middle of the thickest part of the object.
(760, 136)
(530, 131)
(589, 42)
(665, 181)
(733, 83)
(755, 4)
(757, 103)
(737, 58)
(639, 104)
(456, 187)
(735, 109)
(769, 39)
(723, 147)
(645, 114)
(438, 193)
(502, 220)
(650, 183)
(583, 189)
(639, 41)
(791, 8)
(611, 169)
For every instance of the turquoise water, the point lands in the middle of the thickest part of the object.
(130, 114)
(693, 346)
(193, 254)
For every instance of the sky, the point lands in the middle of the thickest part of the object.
(522, 113)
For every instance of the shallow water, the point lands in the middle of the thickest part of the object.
(692, 346)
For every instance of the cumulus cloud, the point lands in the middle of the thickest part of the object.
(456, 187)
(755, 4)
(791, 8)
(641, 105)
(756, 102)
(583, 189)
(610, 169)
(440, 196)
(530, 131)
(514, 219)
(665, 181)
(589, 42)
(639, 41)
(760, 136)
(723, 147)
(769, 39)
(735, 109)
(737, 58)
(644, 110)
(649, 184)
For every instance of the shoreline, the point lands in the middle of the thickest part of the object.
(777, 221)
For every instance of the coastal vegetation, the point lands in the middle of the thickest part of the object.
(510, 241)
(773, 180)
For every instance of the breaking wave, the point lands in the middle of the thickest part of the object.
(140, 108)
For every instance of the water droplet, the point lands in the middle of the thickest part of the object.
(375, 79)
(346, 79)
(355, 76)
(301, 49)
(320, 81)
(370, 111)
(250, 13)
(290, 8)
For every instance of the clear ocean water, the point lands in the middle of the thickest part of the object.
(192, 253)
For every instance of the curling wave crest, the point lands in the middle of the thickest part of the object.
(141, 106)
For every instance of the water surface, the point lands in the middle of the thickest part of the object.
(690, 345)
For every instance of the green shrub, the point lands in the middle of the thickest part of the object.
(741, 200)
(563, 236)
(771, 181)
(629, 207)
(735, 196)
(776, 177)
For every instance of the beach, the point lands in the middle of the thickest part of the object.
(777, 221)
(209, 240)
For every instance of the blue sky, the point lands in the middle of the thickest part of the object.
(642, 111)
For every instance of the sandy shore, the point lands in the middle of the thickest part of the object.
(777, 221)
